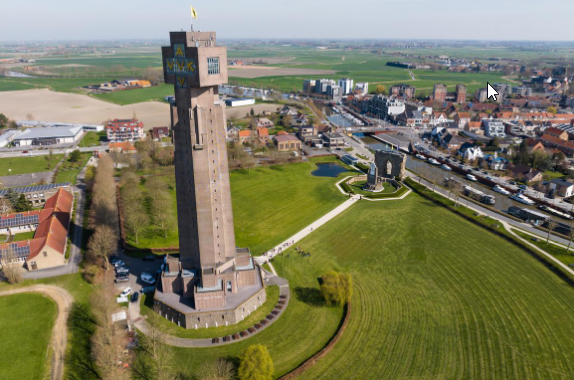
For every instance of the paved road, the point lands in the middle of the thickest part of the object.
(64, 300)
(42, 152)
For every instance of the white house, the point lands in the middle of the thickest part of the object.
(470, 152)
(493, 128)
(561, 187)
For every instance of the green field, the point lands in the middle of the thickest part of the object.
(27, 321)
(79, 363)
(68, 171)
(93, 139)
(25, 165)
(56, 84)
(138, 95)
(270, 204)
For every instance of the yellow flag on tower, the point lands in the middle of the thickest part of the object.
(193, 13)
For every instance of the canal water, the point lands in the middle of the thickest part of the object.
(437, 174)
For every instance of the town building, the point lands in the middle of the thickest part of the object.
(246, 136)
(493, 128)
(460, 93)
(382, 107)
(158, 133)
(307, 132)
(550, 141)
(361, 88)
(403, 91)
(263, 136)
(333, 139)
(439, 92)
(263, 122)
(48, 136)
(561, 187)
(309, 86)
(525, 174)
(122, 147)
(470, 151)
(481, 95)
(287, 142)
(346, 85)
(213, 282)
(119, 130)
(36, 195)
(232, 102)
(47, 248)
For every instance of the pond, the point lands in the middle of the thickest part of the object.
(328, 170)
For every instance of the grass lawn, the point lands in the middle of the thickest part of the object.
(25, 165)
(68, 171)
(212, 332)
(79, 363)
(93, 139)
(358, 189)
(27, 321)
(553, 249)
(550, 175)
(265, 198)
(24, 236)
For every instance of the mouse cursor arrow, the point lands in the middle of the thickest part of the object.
(490, 92)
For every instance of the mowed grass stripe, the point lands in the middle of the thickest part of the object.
(443, 300)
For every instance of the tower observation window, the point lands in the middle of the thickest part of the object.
(213, 65)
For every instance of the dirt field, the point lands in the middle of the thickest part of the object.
(267, 71)
(46, 105)
(240, 112)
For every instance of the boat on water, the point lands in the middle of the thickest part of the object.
(470, 177)
(522, 199)
(501, 190)
(553, 211)
(432, 161)
(478, 195)
(421, 157)
(446, 167)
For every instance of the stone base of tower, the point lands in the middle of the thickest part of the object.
(237, 306)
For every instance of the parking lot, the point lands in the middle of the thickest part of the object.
(136, 267)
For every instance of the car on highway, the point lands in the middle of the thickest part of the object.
(135, 297)
(126, 292)
(149, 258)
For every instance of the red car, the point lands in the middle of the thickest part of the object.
(24, 152)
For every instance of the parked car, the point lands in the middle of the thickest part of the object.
(122, 279)
(25, 152)
(149, 258)
(119, 263)
(126, 292)
(147, 289)
(523, 187)
(123, 271)
(147, 278)
(135, 297)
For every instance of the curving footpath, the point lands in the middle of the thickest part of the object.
(64, 300)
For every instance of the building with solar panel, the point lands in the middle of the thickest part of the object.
(47, 248)
(37, 195)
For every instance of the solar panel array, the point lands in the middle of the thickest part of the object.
(34, 189)
(19, 252)
(20, 220)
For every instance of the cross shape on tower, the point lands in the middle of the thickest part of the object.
(180, 66)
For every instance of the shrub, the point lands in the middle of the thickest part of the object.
(256, 364)
(337, 288)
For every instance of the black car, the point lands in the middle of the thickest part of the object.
(135, 296)
(149, 258)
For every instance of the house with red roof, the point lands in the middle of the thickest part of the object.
(51, 225)
(263, 135)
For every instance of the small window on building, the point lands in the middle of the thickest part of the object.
(45, 254)
(213, 65)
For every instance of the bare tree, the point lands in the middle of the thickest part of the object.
(29, 117)
(5, 206)
(109, 339)
(11, 268)
(103, 243)
(135, 219)
(551, 225)
(219, 369)
(159, 357)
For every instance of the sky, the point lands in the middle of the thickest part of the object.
(528, 20)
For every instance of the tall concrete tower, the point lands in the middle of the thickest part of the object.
(210, 266)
